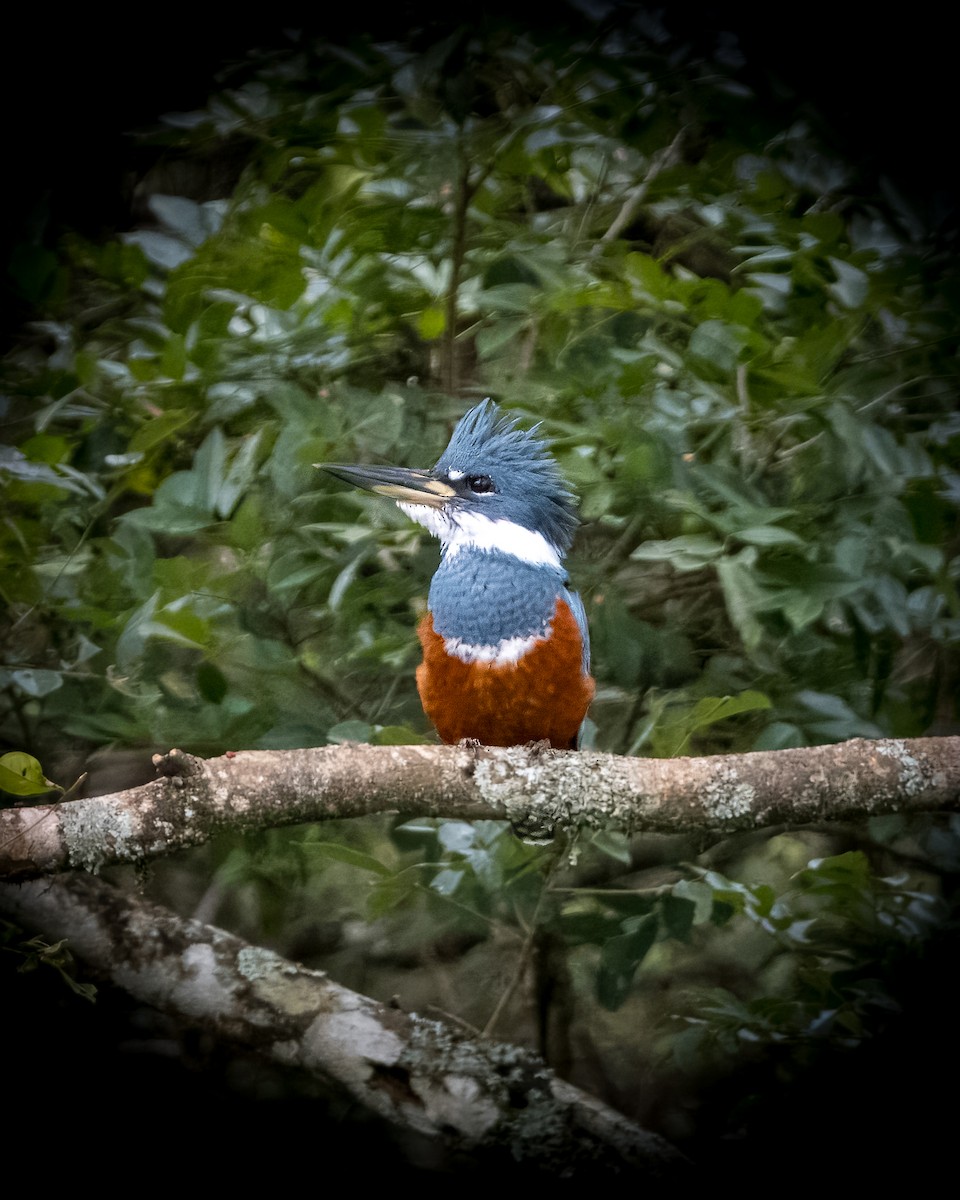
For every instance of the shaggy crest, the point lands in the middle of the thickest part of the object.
(521, 467)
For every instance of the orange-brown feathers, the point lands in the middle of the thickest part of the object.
(544, 695)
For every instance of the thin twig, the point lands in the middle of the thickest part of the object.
(559, 852)
(669, 156)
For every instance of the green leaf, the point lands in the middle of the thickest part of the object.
(446, 882)
(779, 735)
(181, 216)
(722, 345)
(160, 428)
(173, 360)
(350, 731)
(711, 709)
(588, 928)
(347, 854)
(852, 286)
(492, 337)
(508, 298)
(22, 775)
(613, 844)
(678, 914)
(457, 836)
(769, 535)
(389, 893)
(211, 682)
(744, 596)
(161, 249)
(619, 960)
(238, 476)
(653, 280)
(849, 872)
(689, 552)
(680, 723)
(400, 735)
(36, 682)
(431, 323)
(700, 895)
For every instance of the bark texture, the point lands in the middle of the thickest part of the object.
(537, 790)
(488, 1099)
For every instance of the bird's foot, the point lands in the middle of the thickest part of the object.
(538, 748)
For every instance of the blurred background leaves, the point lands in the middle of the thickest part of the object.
(740, 336)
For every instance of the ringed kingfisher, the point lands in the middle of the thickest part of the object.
(506, 651)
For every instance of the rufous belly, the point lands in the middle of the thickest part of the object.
(543, 696)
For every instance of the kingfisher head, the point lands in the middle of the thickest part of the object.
(495, 487)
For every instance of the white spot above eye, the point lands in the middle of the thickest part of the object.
(473, 531)
(455, 475)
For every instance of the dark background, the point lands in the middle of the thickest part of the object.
(882, 90)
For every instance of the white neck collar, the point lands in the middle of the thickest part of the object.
(474, 531)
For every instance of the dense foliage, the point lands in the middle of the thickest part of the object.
(746, 367)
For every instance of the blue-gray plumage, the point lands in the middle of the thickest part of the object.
(485, 597)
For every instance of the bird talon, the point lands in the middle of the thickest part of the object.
(539, 747)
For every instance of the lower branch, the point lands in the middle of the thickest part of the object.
(482, 1098)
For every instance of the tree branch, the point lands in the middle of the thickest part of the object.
(662, 160)
(484, 1098)
(538, 791)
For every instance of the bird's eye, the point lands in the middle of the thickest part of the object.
(480, 483)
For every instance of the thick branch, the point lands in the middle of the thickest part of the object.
(469, 1095)
(534, 789)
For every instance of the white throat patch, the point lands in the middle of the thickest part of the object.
(461, 531)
